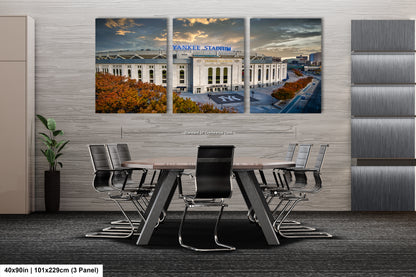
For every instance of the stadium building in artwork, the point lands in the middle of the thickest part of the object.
(195, 69)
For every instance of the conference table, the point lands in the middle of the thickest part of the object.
(244, 171)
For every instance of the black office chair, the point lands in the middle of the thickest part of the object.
(299, 160)
(213, 183)
(297, 193)
(124, 155)
(283, 176)
(118, 154)
(289, 157)
(266, 187)
(107, 179)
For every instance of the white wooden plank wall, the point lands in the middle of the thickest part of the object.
(65, 49)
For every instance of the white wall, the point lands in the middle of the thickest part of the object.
(65, 66)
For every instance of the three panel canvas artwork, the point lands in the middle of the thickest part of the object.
(209, 66)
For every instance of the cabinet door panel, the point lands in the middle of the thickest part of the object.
(13, 189)
(13, 38)
(383, 100)
(382, 35)
(383, 138)
(383, 188)
(381, 68)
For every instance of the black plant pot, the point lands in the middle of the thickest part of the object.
(52, 190)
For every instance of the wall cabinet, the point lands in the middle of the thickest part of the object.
(17, 109)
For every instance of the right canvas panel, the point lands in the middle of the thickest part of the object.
(285, 65)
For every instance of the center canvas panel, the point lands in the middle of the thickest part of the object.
(208, 64)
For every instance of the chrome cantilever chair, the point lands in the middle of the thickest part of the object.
(213, 183)
(266, 187)
(289, 157)
(297, 194)
(118, 154)
(124, 155)
(283, 176)
(107, 179)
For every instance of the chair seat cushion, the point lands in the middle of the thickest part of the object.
(292, 197)
(150, 187)
(143, 191)
(133, 185)
(202, 202)
(278, 190)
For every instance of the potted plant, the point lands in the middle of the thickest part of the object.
(52, 153)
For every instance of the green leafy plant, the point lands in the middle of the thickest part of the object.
(53, 146)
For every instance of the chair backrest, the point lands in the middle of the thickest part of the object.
(290, 151)
(213, 171)
(123, 152)
(301, 177)
(320, 157)
(124, 155)
(303, 155)
(99, 159)
(114, 155)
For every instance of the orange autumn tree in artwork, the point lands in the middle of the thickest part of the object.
(289, 90)
(119, 94)
(297, 72)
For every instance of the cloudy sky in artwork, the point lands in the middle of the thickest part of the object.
(285, 38)
(130, 34)
(209, 32)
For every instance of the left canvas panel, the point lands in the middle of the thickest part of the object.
(131, 65)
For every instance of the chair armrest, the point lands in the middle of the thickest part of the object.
(281, 168)
(131, 168)
(109, 170)
(294, 169)
(187, 174)
(302, 190)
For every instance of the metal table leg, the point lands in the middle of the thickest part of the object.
(254, 197)
(165, 185)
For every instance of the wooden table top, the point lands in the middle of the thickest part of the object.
(190, 162)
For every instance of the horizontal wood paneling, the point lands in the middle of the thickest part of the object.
(65, 48)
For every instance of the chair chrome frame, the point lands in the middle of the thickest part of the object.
(224, 247)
